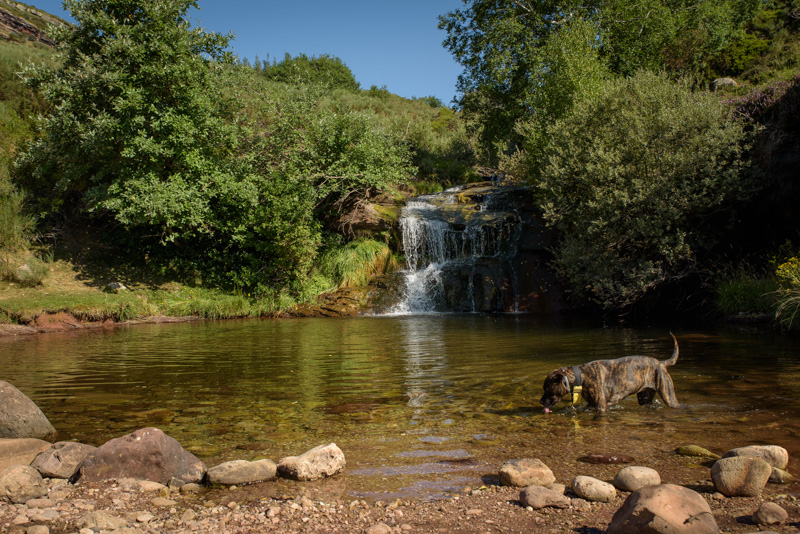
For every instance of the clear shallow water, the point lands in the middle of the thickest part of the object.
(421, 405)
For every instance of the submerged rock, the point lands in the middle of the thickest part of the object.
(694, 450)
(606, 458)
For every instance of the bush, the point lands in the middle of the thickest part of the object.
(788, 313)
(639, 180)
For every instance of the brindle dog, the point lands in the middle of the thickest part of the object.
(607, 382)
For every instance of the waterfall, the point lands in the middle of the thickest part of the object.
(460, 247)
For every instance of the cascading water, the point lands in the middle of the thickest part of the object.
(460, 248)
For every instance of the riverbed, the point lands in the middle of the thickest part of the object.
(422, 405)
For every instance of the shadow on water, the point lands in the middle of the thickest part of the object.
(422, 406)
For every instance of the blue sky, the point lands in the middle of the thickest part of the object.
(396, 44)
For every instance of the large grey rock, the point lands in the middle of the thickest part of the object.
(538, 497)
(525, 472)
(20, 417)
(238, 472)
(770, 513)
(61, 460)
(20, 483)
(635, 477)
(20, 451)
(319, 462)
(592, 489)
(664, 509)
(740, 476)
(146, 454)
(772, 454)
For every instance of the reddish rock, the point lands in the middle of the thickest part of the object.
(664, 509)
(146, 454)
(21, 451)
(61, 460)
(525, 472)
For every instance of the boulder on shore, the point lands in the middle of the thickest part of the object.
(636, 477)
(239, 472)
(593, 489)
(538, 497)
(20, 417)
(664, 509)
(20, 451)
(20, 483)
(321, 461)
(740, 476)
(770, 513)
(525, 472)
(62, 459)
(146, 454)
(772, 454)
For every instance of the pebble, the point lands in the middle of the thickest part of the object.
(144, 518)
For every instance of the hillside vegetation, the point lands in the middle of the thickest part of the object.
(660, 140)
(212, 174)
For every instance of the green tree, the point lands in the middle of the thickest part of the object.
(138, 128)
(506, 48)
(325, 71)
(639, 180)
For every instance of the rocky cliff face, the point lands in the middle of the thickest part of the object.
(22, 22)
(480, 247)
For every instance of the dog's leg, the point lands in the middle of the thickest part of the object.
(646, 396)
(666, 389)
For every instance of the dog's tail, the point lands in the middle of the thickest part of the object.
(674, 359)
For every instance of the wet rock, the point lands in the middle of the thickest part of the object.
(20, 483)
(538, 497)
(525, 472)
(20, 451)
(694, 450)
(740, 476)
(319, 462)
(770, 513)
(779, 476)
(62, 459)
(635, 477)
(147, 454)
(20, 417)
(609, 459)
(99, 520)
(664, 509)
(772, 454)
(592, 489)
(242, 472)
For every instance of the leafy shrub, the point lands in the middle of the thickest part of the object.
(324, 71)
(633, 179)
(788, 272)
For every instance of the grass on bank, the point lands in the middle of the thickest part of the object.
(62, 286)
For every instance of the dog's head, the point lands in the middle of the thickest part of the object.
(556, 386)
